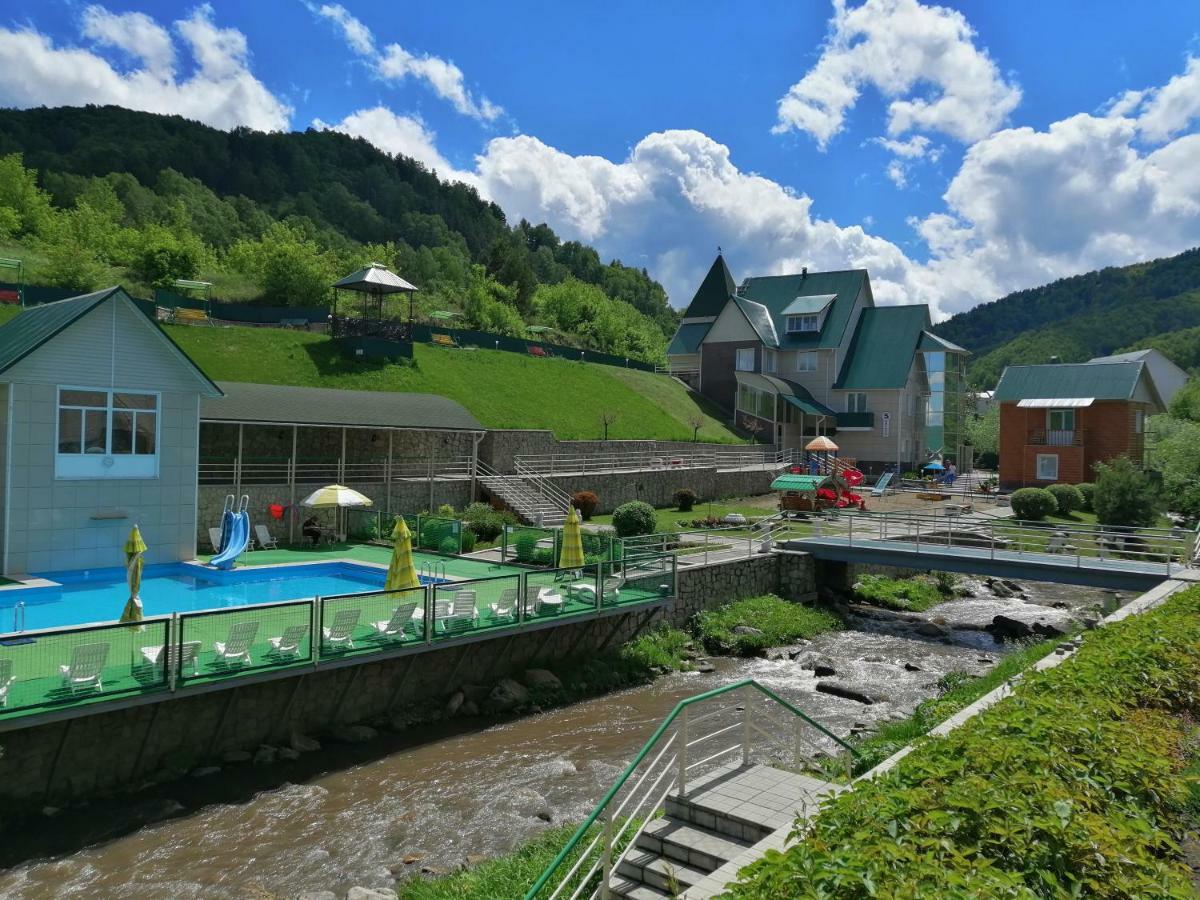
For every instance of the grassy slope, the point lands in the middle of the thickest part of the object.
(503, 390)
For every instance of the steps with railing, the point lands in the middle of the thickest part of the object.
(533, 498)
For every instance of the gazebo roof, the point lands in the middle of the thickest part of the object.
(375, 279)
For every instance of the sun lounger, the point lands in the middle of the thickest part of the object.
(237, 647)
(506, 606)
(190, 656)
(610, 590)
(542, 599)
(6, 680)
(86, 669)
(398, 624)
(341, 632)
(464, 605)
(287, 644)
(265, 541)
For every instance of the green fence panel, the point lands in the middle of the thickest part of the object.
(440, 534)
(353, 624)
(530, 545)
(41, 669)
(639, 581)
(225, 643)
(481, 604)
(560, 592)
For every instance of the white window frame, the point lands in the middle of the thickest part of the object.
(807, 361)
(81, 466)
(738, 357)
(768, 361)
(1045, 458)
(803, 324)
(852, 406)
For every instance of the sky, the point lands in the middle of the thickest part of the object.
(958, 152)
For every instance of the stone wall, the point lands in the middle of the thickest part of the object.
(789, 574)
(500, 448)
(658, 487)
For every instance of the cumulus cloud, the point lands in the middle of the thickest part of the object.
(222, 91)
(397, 134)
(922, 58)
(1162, 112)
(395, 63)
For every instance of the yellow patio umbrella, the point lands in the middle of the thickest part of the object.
(134, 548)
(571, 555)
(401, 573)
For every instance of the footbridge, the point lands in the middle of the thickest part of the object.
(1064, 553)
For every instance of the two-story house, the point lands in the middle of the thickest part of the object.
(793, 356)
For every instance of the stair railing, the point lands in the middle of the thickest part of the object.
(678, 750)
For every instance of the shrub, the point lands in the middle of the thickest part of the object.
(542, 556)
(771, 621)
(1033, 504)
(912, 594)
(1068, 497)
(449, 546)
(468, 540)
(1087, 491)
(987, 460)
(586, 502)
(446, 510)
(685, 499)
(1124, 495)
(634, 518)
(524, 546)
(487, 523)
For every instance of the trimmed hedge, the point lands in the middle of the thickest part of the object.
(1033, 504)
(1068, 497)
(1070, 787)
(1087, 491)
(633, 518)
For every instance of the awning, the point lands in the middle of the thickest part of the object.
(1056, 403)
(798, 482)
(795, 394)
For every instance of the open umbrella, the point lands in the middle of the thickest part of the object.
(571, 555)
(821, 444)
(401, 573)
(134, 548)
(933, 464)
(336, 496)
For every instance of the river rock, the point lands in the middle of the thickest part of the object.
(236, 756)
(470, 708)
(454, 704)
(362, 893)
(932, 629)
(999, 590)
(837, 689)
(821, 666)
(1005, 629)
(1050, 631)
(544, 814)
(541, 679)
(355, 734)
(287, 753)
(302, 743)
(507, 694)
(316, 895)
(706, 668)
(911, 667)
(265, 755)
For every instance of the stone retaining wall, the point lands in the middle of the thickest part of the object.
(658, 487)
(500, 448)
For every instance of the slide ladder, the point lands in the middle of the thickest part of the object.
(235, 532)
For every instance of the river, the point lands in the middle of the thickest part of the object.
(351, 814)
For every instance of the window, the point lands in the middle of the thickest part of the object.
(1047, 467)
(106, 434)
(1139, 421)
(745, 360)
(856, 403)
(1060, 420)
(806, 361)
(768, 360)
(757, 403)
(803, 323)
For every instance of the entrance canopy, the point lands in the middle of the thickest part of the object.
(794, 394)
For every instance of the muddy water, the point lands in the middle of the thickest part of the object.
(469, 792)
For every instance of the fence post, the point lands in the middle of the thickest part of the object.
(683, 751)
(798, 749)
(606, 859)
(746, 731)
(173, 641)
(430, 607)
(522, 599)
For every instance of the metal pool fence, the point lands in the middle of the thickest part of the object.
(50, 669)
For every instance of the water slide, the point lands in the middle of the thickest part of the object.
(235, 533)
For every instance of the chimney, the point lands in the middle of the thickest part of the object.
(804, 272)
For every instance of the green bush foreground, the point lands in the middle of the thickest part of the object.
(1073, 786)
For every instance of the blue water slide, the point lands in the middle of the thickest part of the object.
(235, 535)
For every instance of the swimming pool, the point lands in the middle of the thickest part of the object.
(99, 595)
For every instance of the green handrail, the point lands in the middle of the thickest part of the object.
(645, 751)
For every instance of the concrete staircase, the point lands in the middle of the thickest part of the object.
(533, 499)
(722, 815)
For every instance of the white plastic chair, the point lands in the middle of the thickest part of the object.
(396, 625)
(265, 541)
(341, 632)
(237, 647)
(86, 669)
(288, 644)
(188, 655)
(6, 680)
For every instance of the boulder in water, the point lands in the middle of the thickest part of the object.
(1045, 630)
(706, 668)
(355, 734)
(541, 679)
(362, 893)
(288, 753)
(837, 689)
(302, 743)
(507, 695)
(1005, 629)
(911, 667)
(454, 704)
(932, 629)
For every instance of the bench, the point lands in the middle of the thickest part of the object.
(10, 296)
(185, 316)
(537, 351)
(294, 323)
(443, 340)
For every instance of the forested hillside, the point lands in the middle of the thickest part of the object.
(94, 195)
(1076, 318)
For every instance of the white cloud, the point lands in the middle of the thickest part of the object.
(897, 173)
(914, 148)
(922, 58)
(395, 63)
(222, 92)
(1165, 111)
(393, 133)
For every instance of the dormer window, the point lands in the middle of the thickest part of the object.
(802, 324)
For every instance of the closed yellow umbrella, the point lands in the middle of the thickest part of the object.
(571, 555)
(134, 548)
(401, 573)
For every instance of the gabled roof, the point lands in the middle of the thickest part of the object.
(778, 292)
(688, 337)
(292, 405)
(882, 349)
(30, 329)
(1108, 381)
(1130, 356)
(760, 320)
(712, 295)
(374, 279)
(932, 342)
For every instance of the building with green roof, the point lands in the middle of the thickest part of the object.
(794, 356)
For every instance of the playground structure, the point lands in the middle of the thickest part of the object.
(235, 532)
(820, 481)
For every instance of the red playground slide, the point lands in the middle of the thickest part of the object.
(852, 477)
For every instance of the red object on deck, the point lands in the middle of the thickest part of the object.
(10, 296)
(852, 477)
(276, 510)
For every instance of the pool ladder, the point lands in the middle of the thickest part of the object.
(431, 570)
(19, 616)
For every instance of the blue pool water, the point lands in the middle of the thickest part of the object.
(99, 595)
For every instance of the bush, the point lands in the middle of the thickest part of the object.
(1068, 497)
(772, 621)
(487, 523)
(634, 518)
(685, 499)
(468, 540)
(542, 556)
(1124, 495)
(912, 594)
(449, 546)
(1033, 504)
(586, 502)
(446, 510)
(1087, 491)
(524, 546)
(987, 460)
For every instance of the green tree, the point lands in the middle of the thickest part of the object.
(30, 212)
(162, 255)
(1124, 495)
(1186, 403)
(289, 268)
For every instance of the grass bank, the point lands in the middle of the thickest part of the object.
(1073, 786)
(747, 627)
(915, 594)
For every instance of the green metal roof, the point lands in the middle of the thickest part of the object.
(797, 482)
(688, 337)
(807, 306)
(712, 295)
(882, 350)
(930, 341)
(798, 396)
(31, 328)
(1105, 381)
(759, 318)
(778, 292)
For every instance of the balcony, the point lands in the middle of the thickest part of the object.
(856, 420)
(1042, 437)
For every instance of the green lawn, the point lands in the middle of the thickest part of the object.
(503, 390)
(670, 517)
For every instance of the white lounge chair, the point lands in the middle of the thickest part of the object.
(237, 647)
(464, 605)
(86, 669)
(538, 598)
(506, 606)
(288, 644)
(397, 625)
(214, 538)
(610, 590)
(6, 680)
(265, 541)
(189, 657)
(341, 632)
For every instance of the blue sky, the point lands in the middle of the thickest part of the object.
(983, 146)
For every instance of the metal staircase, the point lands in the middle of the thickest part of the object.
(535, 499)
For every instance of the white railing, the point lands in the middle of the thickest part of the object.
(651, 460)
(284, 470)
(677, 369)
